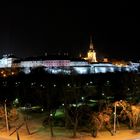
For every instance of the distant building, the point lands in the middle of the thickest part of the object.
(105, 60)
(65, 65)
(91, 55)
(7, 61)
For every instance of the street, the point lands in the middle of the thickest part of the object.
(1, 138)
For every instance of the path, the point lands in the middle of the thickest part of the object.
(1, 138)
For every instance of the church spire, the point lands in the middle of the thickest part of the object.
(91, 43)
(91, 52)
(91, 55)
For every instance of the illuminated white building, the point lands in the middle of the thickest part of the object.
(102, 68)
(65, 65)
(7, 61)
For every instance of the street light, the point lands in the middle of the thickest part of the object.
(115, 117)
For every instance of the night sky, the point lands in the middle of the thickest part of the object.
(31, 29)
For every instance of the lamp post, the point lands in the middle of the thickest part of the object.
(6, 117)
(115, 117)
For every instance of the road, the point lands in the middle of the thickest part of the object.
(1, 138)
(135, 139)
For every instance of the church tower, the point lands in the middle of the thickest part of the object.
(91, 55)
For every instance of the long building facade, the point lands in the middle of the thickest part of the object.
(64, 65)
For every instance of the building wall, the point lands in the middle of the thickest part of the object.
(56, 63)
(6, 62)
(68, 66)
(30, 64)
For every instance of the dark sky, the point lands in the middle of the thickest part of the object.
(28, 29)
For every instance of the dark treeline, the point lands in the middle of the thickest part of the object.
(35, 87)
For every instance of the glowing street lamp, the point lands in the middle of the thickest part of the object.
(12, 73)
(4, 75)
